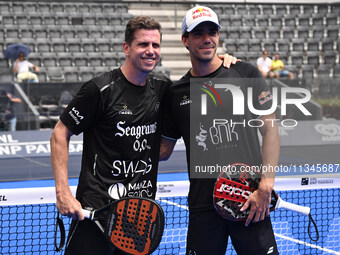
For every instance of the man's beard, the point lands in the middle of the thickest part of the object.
(208, 58)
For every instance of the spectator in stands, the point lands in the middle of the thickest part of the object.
(21, 68)
(264, 64)
(7, 111)
(277, 67)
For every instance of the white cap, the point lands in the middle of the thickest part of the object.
(197, 15)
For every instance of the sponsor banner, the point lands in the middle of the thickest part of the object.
(172, 189)
(46, 195)
(311, 133)
(33, 144)
(25, 196)
(304, 183)
(37, 143)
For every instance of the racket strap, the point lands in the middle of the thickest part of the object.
(316, 228)
(59, 224)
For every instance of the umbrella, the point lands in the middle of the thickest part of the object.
(14, 50)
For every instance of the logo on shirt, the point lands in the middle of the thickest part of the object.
(185, 101)
(136, 131)
(221, 135)
(157, 106)
(129, 168)
(264, 97)
(75, 115)
(117, 191)
(125, 110)
(138, 189)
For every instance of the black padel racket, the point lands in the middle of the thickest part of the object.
(236, 184)
(134, 225)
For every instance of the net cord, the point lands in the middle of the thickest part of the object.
(46, 195)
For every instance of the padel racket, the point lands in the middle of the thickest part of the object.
(134, 225)
(236, 184)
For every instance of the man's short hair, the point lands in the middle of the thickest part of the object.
(140, 22)
(186, 33)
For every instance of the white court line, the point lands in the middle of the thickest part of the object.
(278, 235)
(175, 204)
(33, 161)
(307, 244)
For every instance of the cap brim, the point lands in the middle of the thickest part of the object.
(195, 24)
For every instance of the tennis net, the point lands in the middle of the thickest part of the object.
(27, 218)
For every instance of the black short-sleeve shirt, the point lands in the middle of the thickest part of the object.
(120, 123)
(230, 143)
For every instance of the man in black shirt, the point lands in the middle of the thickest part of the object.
(208, 231)
(119, 115)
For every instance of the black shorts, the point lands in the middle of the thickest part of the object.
(208, 234)
(85, 238)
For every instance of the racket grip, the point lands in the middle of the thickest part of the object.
(87, 214)
(293, 207)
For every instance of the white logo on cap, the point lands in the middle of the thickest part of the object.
(196, 16)
(199, 12)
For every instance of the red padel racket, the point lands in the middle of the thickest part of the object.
(236, 184)
(134, 225)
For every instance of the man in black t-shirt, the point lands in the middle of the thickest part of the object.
(208, 231)
(118, 114)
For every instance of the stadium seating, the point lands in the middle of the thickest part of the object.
(313, 58)
(71, 73)
(249, 20)
(294, 69)
(273, 33)
(297, 57)
(283, 45)
(230, 45)
(288, 32)
(298, 44)
(289, 20)
(269, 45)
(254, 45)
(259, 33)
(324, 80)
(294, 9)
(331, 19)
(313, 44)
(70, 41)
(330, 57)
(327, 44)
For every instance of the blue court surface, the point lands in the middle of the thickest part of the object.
(29, 229)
